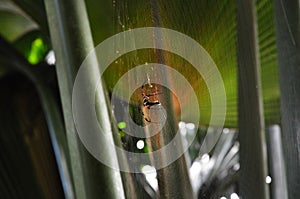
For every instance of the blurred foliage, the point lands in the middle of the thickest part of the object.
(211, 23)
(37, 51)
(14, 25)
(33, 46)
(122, 125)
(268, 60)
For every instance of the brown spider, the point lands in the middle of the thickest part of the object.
(148, 103)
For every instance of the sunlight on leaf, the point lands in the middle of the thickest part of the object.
(37, 51)
(122, 125)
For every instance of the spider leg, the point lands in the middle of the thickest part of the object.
(153, 94)
(148, 120)
(148, 104)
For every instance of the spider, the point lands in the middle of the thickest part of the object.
(148, 103)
